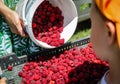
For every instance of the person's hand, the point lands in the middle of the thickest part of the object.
(3, 80)
(15, 23)
(12, 19)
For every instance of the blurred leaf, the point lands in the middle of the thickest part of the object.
(81, 34)
(84, 6)
(11, 3)
(8, 2)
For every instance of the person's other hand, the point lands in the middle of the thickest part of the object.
(3, 80)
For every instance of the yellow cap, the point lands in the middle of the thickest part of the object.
(111, 10)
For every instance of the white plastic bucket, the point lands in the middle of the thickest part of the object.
(27, 8)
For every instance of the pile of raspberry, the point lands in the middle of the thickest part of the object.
(47, 24)
(74, 66)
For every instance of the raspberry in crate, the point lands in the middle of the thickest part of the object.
(72, 66)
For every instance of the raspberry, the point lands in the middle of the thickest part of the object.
(24, 75)
(25, 68)
(54, 68)
(33, 82)
(53, 77)
(20, 74)
(38, 82)
(45, 74)
(34, 25)
(36, 77)
(58, 81)
(95, 73)
(61, 41)
(10, 68)
(52, 19)
(61, 67)
(44, 81)
(48, 64)
(48, 78)
(44, 63)
(62, 56)
(81, 75)
(71, 63)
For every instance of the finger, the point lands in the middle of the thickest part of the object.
(3, 80)
(23, 27)
(21, 22)
(20, 30)
(14, 30)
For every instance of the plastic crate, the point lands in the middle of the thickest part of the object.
(18, 62)
(83, 14)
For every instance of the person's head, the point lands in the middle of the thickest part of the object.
(105, 29)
